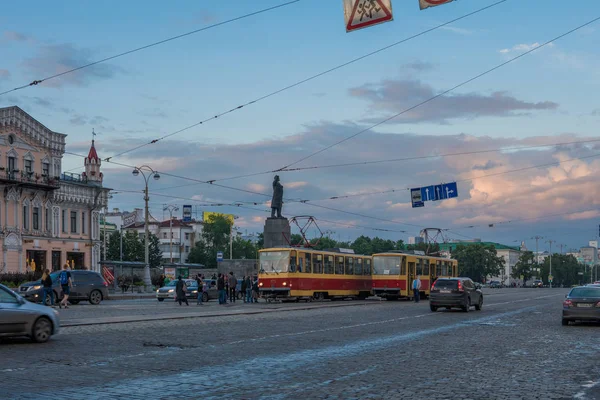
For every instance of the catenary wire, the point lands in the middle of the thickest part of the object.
(310, 78)
(38, 81)
(441, 94)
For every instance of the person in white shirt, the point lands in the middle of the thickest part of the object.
(416, 287)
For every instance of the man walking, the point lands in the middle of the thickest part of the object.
(200, 282)
(221, 288)
(66, 283)
(416, 286)
(232, 287)
(248, 289)
(180, 290)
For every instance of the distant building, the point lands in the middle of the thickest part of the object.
(415, 240)
(589, 255)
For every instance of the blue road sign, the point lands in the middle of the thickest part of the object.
(438, 192)
(450, 190)
(427, 193)
(219, 256)
(415, 196)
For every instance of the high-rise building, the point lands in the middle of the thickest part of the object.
(415, 240)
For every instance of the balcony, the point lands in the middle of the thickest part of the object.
(29, 179)
(71, 177)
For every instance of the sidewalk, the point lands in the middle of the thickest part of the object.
(131, 296)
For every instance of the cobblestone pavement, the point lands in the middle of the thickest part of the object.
(515, 348)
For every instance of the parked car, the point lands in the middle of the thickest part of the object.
(495, 284)
(87, 286)
(537, 284)
(582, 304)
(19, 317)
(455, 292)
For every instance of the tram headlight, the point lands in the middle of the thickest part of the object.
(260, 283)
(284, 283)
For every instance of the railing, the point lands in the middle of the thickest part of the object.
(31, 178)
(71, 177)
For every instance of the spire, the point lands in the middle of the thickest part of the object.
(92, 154)
(92, 163)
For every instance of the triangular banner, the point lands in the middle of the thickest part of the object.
(363, 13)
(432, 3)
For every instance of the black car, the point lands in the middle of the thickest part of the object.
(582, 304)
(455, 292)
(87, 286)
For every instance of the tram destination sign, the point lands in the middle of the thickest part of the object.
(443, 191)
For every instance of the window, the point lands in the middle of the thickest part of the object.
(187, 249)
(386, 265)
(339, 266)
(28, 166)
(300, 263)
(36, 218)
(328, 265)
(438, 270)
(12, 163)
(172, 235)
(164, 235)
(46, 169)
(11, 139)
(349, 266)
(48, 211)
(25, 217)
(307, 257)
(318, 264)
(83, 222)
(274, 261)
(187, 236)
(7, 297)
(293, 261)
(73, 221)
(358, 268)
(64, 221)
(403, 266)
(367, 268)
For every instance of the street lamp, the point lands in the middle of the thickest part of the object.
(171, 208)
(231, 238)
(156, 176)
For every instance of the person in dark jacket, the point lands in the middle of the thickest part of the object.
(221, 288)
(255, 290)
(244, 287)
(47, 284)
(161, 280)
(248, 292)
(180, 289)
(232, 287)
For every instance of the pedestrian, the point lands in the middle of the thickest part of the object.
(232, 286)
(66, 283)
(47, 284)
(221, 288)
(161, 280)
(226, 288)
(180, 290)
(416, 286)
(244, 287)
(248, 289)
(255, 289)
(200, 281)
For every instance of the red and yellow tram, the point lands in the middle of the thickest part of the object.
(299, 273)
(394, 272)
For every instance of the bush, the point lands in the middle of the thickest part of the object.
(16, 279)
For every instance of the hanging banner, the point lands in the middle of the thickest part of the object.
(364, 13)
(432, 3)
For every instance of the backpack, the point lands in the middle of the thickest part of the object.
(64, 278)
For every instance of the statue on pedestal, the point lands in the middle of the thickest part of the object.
(277, 200)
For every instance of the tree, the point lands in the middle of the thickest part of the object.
(154, 252)
(565, 270)
(214, 238)
(524, 266)
(198, 254)
(477, 261)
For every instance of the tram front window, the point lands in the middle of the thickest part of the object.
(274, 262)
(386, 265)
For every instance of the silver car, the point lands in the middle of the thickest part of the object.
(19, 317)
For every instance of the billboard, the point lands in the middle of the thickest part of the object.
(187, 213)
(207, 215)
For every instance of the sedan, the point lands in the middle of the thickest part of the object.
(455, 292)
(582, 304)
(168, 291)
(19, 317)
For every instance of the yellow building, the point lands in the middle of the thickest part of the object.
(47, 218)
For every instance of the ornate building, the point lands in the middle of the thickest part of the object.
(47, 217)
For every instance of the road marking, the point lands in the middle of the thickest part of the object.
(589, 385)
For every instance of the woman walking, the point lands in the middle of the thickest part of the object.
(66, 283)
(180, 289)
(47, 285)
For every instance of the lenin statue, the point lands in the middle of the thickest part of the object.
(277, 200)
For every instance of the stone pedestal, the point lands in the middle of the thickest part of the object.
(276, 231)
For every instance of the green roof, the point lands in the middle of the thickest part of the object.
(497, 246)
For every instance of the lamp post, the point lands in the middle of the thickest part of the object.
(156, 176)
(171, 208)
(550, 241)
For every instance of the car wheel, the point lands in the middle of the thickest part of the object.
(42, 330)
(433, 308)
(479, 304)
(565, 322)
(205, 297)
(468, 306)
(161, 299)
(74, 302)
(95, 297)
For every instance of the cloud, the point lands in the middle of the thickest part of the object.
(4, 74)
(13, 36)
(419, 66)
(393, 96)
(596, 112)
(55, 59)
(520, 48)
(487, 166)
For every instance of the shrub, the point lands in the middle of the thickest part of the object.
(15, 279)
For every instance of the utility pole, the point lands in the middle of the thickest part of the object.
(171, 208)
(537, 264)
(104, 231)
(121, 244)
(561, 246)
(550, 241)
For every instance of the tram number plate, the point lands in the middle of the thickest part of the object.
(445, 291)
(584, 305)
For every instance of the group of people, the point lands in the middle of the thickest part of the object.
(66, 283)
(226, 285)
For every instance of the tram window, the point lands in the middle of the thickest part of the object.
(293, 261)
(349, 266)
(358, 268)
(411, 268)
(419, 266)
(445, 269)
(438, 271)
(403, 266)
(300, 263)
(339, 266)
(426, 267)
(318, 265)
(329, 265)
(367, 268)
(307, 257)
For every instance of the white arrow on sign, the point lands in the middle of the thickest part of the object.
(427, 193)
(438, 192)
(448, 192)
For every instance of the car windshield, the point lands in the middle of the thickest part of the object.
(446, 284)
(274, 261)
(386, 265)
(585, 292)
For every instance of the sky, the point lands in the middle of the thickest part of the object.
(546, 97)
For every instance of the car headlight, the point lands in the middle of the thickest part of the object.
(194, 291)
(36, 287)
(157, 290)
(171, 290)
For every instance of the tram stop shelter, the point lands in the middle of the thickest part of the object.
(122, 274)
(186, 270)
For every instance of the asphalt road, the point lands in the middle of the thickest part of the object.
(515, 348)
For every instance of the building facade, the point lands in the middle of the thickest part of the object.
(47, 218)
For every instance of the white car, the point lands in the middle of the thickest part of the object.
(168, 291)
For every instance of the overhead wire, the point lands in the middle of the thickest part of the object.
(308, 79)
(38, 81)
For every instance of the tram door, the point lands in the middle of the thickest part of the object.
(411, 277)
